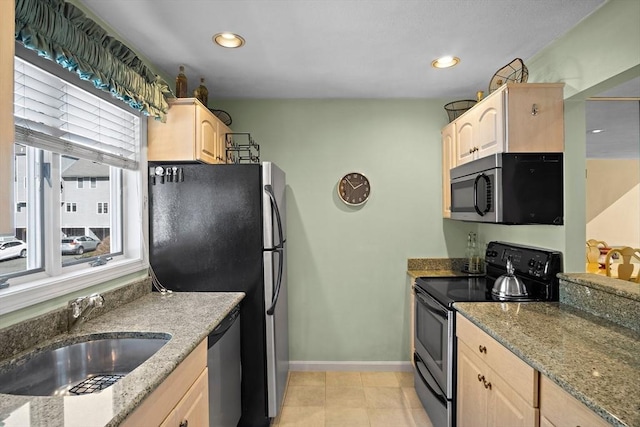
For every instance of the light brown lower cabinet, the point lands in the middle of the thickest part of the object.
(495, 387)
(559, 409)
(487, 399)
(181, 400)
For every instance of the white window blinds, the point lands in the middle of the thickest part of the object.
(55, 115)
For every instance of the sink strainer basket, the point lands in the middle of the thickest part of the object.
(456, 108)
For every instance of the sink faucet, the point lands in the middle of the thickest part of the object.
(81, 307)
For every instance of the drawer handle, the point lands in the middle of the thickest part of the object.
(184, 423)
(482, 349)
(483, 380)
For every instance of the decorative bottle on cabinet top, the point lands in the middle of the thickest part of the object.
(202, 93)
(181, 84)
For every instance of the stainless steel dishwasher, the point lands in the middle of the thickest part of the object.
(223, 361)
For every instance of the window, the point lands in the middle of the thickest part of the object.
(75, 148)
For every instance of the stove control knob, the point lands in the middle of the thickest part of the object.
(532, 262)
(540, 265)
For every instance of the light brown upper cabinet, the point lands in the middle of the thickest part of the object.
(448, 161)
(191, 133)
(518, 117)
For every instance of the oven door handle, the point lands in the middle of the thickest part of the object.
(431, 304)
(433, 388)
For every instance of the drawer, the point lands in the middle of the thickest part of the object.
(558, 408)
(520, 376)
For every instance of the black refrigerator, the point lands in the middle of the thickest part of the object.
(223, 228)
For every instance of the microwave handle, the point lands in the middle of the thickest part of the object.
(475, 194)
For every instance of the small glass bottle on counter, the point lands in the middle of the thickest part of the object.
(181, 84)
(202, 93)
(472, 254)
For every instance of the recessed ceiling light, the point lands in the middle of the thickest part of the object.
(596, 131)
(228, 40)
(445, 62)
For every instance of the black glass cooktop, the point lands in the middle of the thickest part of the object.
(447, 290)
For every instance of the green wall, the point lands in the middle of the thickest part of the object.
(347, 282)
(347, 293)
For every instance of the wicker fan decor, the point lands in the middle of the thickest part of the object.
(222, 115)
(515, 71)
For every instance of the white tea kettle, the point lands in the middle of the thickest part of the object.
(509, 286)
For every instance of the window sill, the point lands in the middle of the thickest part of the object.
(22, 295)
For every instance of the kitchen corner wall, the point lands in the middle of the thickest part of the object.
(348, 297)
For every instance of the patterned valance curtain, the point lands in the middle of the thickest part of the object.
(61, 32)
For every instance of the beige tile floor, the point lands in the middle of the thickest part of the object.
(351, 399)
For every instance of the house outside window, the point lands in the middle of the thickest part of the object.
(84, 134)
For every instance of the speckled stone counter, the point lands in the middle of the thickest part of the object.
(593, 359)
(187, 317)
(435, 267)
(613, 299)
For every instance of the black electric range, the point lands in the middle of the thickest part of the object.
(536, 267)
(435, 348)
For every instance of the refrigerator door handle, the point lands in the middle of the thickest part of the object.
(274, 207)
(276, 293)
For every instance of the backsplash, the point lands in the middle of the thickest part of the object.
(454, 264)
(21, 336)
(612, 299)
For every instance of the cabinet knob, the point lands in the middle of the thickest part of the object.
(184, 423)
(487, 385)
(482, 349)
(470, 150)
(480, 378)
(534, 110)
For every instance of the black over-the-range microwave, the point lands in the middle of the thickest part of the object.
(509, 188)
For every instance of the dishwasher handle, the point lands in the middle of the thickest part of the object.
(223, 326)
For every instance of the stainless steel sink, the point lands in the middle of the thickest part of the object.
(71, 369)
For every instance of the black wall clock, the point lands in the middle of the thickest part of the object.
(354, 189)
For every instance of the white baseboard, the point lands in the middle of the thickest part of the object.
(299, 365)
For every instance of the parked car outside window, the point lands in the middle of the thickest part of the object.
(78, 244)
(13, 249)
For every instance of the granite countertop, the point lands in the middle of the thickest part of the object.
(187, 317)
(593, 359)
(435, 267)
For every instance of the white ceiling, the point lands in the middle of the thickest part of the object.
(340, 48)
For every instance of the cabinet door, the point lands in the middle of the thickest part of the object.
(505, 406)
(490, 126)
(559, 408)
(193, 408)
(464, 131)
(448, 162)
(223, 131)
(207, 136)
(472, 396)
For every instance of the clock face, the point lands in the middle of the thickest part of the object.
(354, 189)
